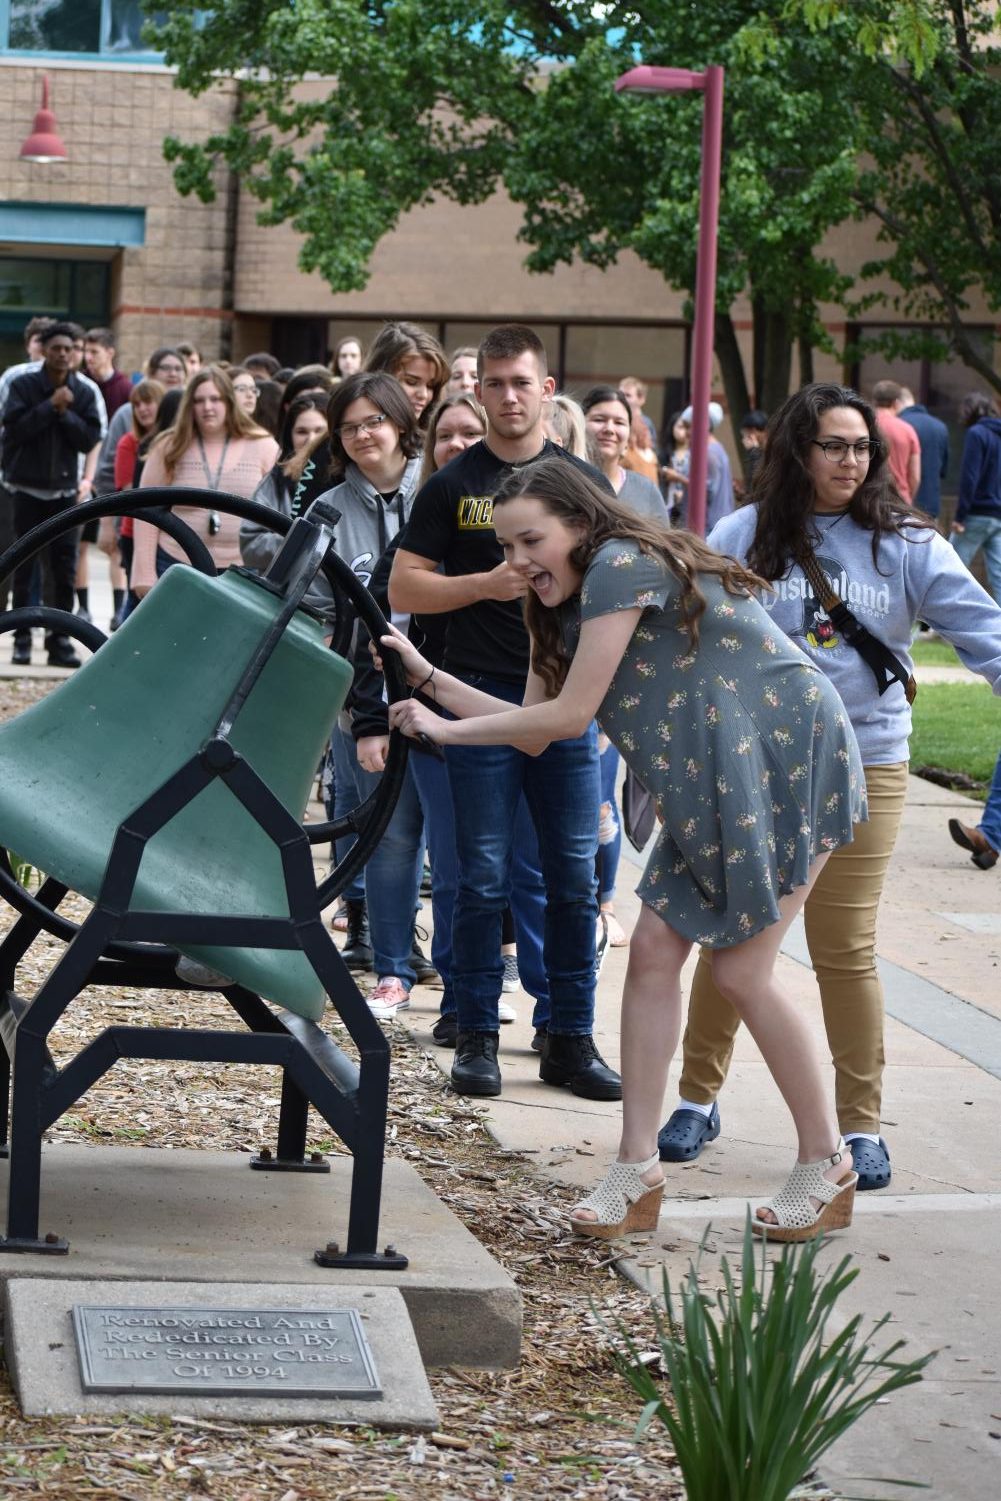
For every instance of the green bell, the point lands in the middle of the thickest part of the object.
(74, 766)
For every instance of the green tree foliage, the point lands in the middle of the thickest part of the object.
(599, 172)
(421, 104)
(929, 96)
(461, 96)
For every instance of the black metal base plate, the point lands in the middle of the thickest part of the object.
(367, 1261)
(50, 1246)
(289, 1165)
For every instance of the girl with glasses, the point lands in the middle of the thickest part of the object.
(375, 448)
(824, 487)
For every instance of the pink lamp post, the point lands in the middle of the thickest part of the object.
(650, 80)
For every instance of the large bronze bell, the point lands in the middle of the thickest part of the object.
(75, 764)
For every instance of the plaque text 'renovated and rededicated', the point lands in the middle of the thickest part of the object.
(277, 1352)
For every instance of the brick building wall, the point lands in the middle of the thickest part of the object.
(113, 120)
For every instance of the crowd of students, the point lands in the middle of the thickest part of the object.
(527, 549)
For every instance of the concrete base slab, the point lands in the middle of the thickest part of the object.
(140, 1213)
(42, 1356)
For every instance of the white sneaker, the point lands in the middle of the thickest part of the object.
(601, 944)
(506, 1012)
(512, 980)
(389, 998)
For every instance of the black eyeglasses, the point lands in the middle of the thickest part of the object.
(352, 430)
(835, 450)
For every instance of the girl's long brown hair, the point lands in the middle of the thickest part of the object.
(179, 438)
(570, 494)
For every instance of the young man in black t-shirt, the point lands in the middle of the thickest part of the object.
(542, 864)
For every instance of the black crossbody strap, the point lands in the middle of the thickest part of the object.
(886, 668)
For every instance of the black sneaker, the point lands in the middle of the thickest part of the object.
(423, 969)
(475, 1069)
(357, 951)
(445, 1030)
(539, 1040)
(21, 655)
(577, 1062)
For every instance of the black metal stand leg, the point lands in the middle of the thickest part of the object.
(26, 1156)
(292, 1122)
(31, 1071)
(4, 1101)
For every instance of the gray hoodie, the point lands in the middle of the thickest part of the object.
(365, 530)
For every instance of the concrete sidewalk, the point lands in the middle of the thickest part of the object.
(928, 1250)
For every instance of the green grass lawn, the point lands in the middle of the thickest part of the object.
(934, 654)
(956, 725)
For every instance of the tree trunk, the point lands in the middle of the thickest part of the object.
(777, 362)
(805, 361)
(758, 316)
(731, 364)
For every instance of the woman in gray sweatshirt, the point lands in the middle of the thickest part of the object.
(825, 483)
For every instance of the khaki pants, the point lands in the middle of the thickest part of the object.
(840, 918)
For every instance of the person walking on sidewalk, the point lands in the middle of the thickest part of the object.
(826, 512)
(977, 522)
(757, 776)
(983, 841)
(542, 864)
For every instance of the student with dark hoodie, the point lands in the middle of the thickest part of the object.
(977, 522)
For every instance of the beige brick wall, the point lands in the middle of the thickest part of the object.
(113, 121)
(444, 261)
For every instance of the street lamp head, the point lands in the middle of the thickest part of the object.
(646, 79)
(45, 144)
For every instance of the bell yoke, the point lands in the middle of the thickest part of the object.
(186, 748)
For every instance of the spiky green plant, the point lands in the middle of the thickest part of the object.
(762, 1383)
(24, 872)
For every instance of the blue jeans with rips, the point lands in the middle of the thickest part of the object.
(548, 879)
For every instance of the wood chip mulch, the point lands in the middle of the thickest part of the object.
(562, 1424)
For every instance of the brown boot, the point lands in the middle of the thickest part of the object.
(981, 853)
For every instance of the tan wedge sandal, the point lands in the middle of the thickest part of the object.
(622, 1202)
(795, 1215)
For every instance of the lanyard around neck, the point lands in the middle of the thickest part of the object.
(212, 480)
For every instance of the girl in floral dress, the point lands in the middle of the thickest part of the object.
(749, 754)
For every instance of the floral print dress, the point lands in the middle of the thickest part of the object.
(743, 743)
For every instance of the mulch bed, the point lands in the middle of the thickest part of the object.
(562, 1423)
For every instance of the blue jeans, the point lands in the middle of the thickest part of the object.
(982, 532)
(435, 793)
(431, 781)
(547, 878)
(990, 824)
(393, 872)
(608, 854)
(344, 765)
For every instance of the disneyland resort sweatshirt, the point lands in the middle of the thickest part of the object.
(917, 576)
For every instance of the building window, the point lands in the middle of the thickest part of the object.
(95, 28)
(53, 286)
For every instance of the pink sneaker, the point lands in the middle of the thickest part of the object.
(389, 998)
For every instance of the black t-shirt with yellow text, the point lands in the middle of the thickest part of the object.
(451, 523)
